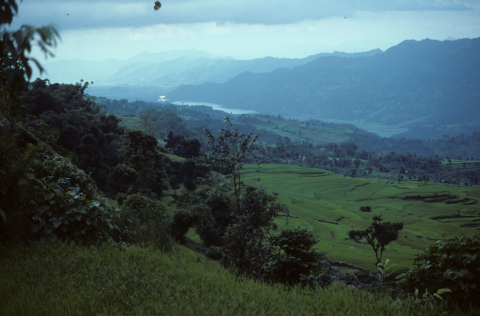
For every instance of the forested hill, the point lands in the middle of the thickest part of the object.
(423, 82)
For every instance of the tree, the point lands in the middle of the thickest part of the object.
(233, 228)
(146, 119)
(447, 264)
(365, 209)
(378, 235)
(140, 151)
(293, 257)
(15, 45)
(230, 150)
(14, 66)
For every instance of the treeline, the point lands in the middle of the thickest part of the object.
(351, 158)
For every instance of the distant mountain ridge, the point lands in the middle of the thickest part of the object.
(71, 71)
(413, 82)
(170, 69)
(197, 70)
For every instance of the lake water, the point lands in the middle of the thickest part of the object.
(215, 107)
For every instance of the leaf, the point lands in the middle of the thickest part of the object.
(22, 181)
(3, 216)
(437, 296)
(30, 176)
(37, 227)
(40, 183)
(49, 196)
(441, 291)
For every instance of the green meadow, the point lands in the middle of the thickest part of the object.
(330, 203)
(68, 279)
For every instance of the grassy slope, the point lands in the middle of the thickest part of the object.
(340, 202)
(292, 128)
(65, 279)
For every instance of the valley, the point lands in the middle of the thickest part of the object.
(148, 172)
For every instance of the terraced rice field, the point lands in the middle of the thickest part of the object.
(330, 203)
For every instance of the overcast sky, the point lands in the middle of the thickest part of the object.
(104, 29)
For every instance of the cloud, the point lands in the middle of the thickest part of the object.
(68, 14)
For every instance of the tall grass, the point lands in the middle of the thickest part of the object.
(67, 279)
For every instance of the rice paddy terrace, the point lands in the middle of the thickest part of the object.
(330, 203)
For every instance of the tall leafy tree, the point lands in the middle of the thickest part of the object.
(229, 150)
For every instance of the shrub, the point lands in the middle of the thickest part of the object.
(64, 205)
(183, 220)
(144, 222)
(451, 264)
(365, 209)
(190, 185)
(293, 258)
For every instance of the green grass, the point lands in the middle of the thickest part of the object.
(66, 279)
(131, 122)
(341, 198)
(292, 128)
(175, 157)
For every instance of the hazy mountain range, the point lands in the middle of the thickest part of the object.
(428, 86)
(148, 75)
(415, 82)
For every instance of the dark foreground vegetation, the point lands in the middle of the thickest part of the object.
(92, 215)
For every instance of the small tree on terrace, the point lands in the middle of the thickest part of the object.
(378, 235)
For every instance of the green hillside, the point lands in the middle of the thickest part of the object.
(66, 279)
(331, 204)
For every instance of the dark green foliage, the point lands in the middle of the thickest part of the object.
(451, 264)
(16, 46)
(183, 220)
(182, 147)
(188, 172)
(190, 185)
(125, 178)
(237, 226)
(144, 221)
(243, 241)
(90, 137)
(64, 205)
(141, 153)
(235, 235)
(293, 257)
(378, 235)
(229, 151)
(214, 217)
(365, 209)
